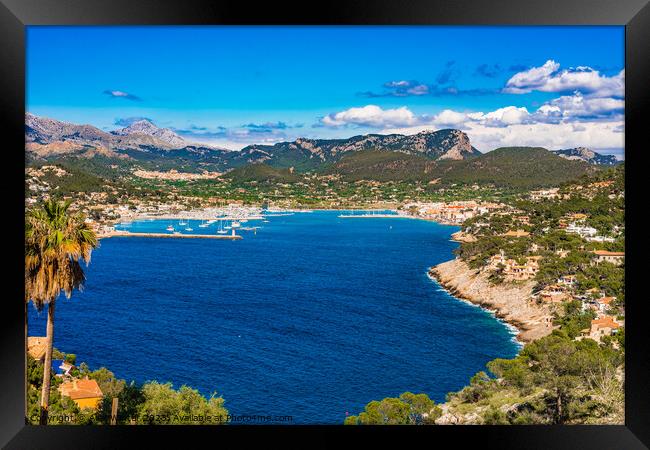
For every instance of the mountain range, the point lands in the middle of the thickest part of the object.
(585, 154)
(47, 138)
(427, 155)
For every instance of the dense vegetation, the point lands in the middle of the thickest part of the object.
(560, 378)
(525, 167)
(518, 167)
(152, 403)
(383, 166)
(263, 173)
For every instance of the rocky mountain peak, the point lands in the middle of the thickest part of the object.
(588, 155)
(585, 152)
(145, 126)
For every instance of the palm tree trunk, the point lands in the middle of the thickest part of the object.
(26, 384)
(47, 367)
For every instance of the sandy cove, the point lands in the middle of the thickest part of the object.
(511, 303)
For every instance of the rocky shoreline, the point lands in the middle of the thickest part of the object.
(512, 302)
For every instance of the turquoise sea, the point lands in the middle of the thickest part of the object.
(310, 316)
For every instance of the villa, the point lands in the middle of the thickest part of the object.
(603, 326)
(577, 216)
(616, 258)
(85, 393)
(567, 280)
(604, 303)
(545, 194)
(553, 295)
(36, 347)
(520, 272)
(583, 232)
(517, 233)
(512, 270)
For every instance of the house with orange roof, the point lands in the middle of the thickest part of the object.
(550, 295)
(603, 326)
(616, 258)
(517, 233)
(36, 346)
(85, 393)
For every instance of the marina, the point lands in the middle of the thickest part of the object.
(232, 237)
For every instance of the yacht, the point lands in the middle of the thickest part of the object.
(221, 230)
(170, 228)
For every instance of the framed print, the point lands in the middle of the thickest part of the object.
(268, 221)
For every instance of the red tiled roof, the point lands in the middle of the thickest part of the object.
(605, 321)
(606, 253)
(77, 389)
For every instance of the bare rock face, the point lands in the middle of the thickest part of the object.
(143, 135)
(458, 419)
(144, 127)
(588, 155)
(458, 144)
(59, 135)
(511, 302)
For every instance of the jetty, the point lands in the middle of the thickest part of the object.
(375, 216)
(231, 237)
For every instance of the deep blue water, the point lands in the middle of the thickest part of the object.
(313, 316)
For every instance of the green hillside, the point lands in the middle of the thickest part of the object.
(518, 167)
(525, 167)
(261, 173)
(382, 165)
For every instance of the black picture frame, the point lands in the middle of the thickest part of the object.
(633, 14)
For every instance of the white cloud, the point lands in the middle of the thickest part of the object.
(401, 83)
(553, 136)
(526, 81)
(121, 94)
(420, 89)
(372, 116)
(566, 121)
(577, 105)
(510, 115)
(449, 118)
(548, 78)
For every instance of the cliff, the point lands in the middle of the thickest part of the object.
(510, 302)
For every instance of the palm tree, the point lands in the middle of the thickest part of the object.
(55, 243)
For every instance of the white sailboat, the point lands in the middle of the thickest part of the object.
(221, 230)
(203, 224)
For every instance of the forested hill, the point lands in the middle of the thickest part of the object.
(524, 167)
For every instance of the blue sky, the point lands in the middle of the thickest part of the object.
(233, 86)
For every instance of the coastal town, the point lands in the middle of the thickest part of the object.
(544, 260)
(224, 229)
(477, 217)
